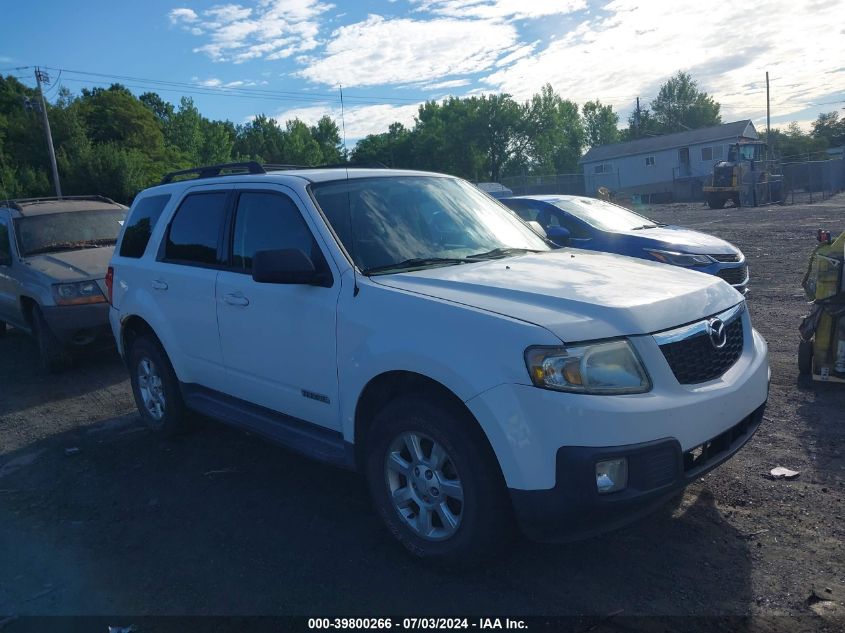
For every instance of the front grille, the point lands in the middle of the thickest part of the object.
(725, 258)
(734, 276)
(696, 359)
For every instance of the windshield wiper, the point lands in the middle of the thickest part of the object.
(500, 252)
(647, 226)
(60, 246)
(416, 262)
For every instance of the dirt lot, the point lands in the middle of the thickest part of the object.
(220, 522)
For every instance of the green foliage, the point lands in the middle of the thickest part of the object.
(679, 106)
(795, 145)
(601, 124)
(829, 128)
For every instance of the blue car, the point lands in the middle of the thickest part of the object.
(597, 225)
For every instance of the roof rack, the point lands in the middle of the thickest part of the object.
(254, 167)
(210, 171)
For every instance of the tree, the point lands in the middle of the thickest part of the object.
(830, 128)
(793, 144)
(115, 115)
(680, 105)
(555, 135)
(391, 148)
(327, 136)
(299, 145)
(600, 124)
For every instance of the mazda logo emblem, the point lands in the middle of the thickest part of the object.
(717, 333)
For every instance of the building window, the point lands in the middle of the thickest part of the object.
(602, 169)
(711, 153)
(649, 161)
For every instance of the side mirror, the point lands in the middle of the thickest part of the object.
(287, 266)
(538, 228)
(559, 235)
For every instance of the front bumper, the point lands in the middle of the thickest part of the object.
(78, 324)
(657, 470)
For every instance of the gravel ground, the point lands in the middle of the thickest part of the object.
(221, 522)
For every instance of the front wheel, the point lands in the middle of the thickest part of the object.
(55, 357)
(436, 484)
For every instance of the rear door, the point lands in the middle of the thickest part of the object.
(182, 282)
(278, 340)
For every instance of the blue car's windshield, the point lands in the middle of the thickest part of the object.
(398, 222)
(602, 215)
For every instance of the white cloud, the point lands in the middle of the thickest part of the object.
(442, 85)
(500, 9)
(382, 51)
(360, 120)
(630, 47)
(178, 16)
(272, 29)
(214, 82)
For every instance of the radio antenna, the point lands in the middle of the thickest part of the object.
(355, 288)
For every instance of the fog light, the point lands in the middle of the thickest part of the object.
(612, 475)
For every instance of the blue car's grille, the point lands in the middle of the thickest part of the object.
(734, 275)
(727, 259)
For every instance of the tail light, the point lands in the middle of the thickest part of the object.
(109, 283)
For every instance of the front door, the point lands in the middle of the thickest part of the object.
(278, 340)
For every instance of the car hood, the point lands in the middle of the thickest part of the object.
(683, 240)
(578, 295)
(87, 263)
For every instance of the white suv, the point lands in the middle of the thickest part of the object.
(406, 325)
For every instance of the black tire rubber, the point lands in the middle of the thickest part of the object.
(716, 202)
(55, 357)
(175, 419)
(487, 521)
(805, 358)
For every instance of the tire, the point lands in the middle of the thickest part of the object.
(805, 358)
(155, 387)
(715, 202)
(55, 357)
(477, 519)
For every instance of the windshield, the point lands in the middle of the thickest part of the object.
(603, 215)
(394, 223)
(53, 232)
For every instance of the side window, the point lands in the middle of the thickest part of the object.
(5, 249)
(525, 212)
(270, 221)
(574, 227)
(195, 231)
(140, 224)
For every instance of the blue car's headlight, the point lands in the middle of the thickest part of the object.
(687, 260)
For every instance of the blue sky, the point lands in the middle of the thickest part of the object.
(288, 58)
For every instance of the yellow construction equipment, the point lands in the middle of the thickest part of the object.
(748, 178)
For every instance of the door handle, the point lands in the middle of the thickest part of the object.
(158, 284)
(236, 299)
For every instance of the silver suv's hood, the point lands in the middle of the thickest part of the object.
(87, 263)
(578, 295)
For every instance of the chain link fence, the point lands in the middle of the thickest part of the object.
(813, 180)
(570, 184)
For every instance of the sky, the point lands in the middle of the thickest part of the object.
(292, 58)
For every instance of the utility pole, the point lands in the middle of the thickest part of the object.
(768, 119)
(40, 76)
(638, 117)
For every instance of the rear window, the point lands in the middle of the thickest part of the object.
(195, 232)
(139, 227)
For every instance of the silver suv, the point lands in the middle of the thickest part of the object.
(53, 258)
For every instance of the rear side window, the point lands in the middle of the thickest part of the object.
(269, 221)
(195, 231)
(140, 225)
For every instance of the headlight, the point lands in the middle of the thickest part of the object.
(680, 259)
(76, 293)
(599, 368)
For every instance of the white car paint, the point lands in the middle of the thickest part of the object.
(466, 327)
